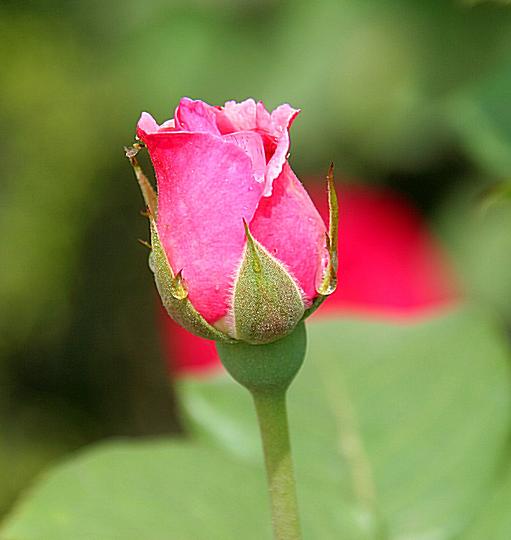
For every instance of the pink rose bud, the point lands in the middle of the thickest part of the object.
(239, 251)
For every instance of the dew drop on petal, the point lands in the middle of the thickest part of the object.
(325, 260)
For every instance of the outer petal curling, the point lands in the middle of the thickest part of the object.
(288, 225)
(147, 125)
(263, 119)
(196, 116)
(273, 128)
(281, 119)
(251, 143)
(237, 116)
(199, 176)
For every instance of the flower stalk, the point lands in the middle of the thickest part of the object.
(273, 424)
(267, 371)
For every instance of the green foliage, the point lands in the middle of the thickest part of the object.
(130, 491)
(48, 179)
(403, 426)
(399, 431)
(384, 87)
(476, 225)
(480, 116)
(32, 437)
(494, 521)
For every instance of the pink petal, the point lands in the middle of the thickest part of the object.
(288, 225)
(281, 118)
(196, 116)
(147, 125)
(237, 116)
(273, 128)
(168, 125)
(205, 187)
(263, 119)
(251, 143)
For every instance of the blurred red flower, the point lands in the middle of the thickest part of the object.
(390, 266)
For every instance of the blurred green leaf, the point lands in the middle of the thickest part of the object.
(496, 194)
(153, 491)
(481, 117)
(398, 430)
(50, 174)
(475, 2)
(33, 437)
(409, 421)
(480, 243)
(495, 519)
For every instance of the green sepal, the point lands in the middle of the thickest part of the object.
(267, 302)
(150, 197)
(329, 282)
(174, 295)
(329, 279)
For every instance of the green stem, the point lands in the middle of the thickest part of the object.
(272, 416)
(266, 371)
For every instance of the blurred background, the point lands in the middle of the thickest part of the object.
(411, 96)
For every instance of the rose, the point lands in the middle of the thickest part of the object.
(239, 250)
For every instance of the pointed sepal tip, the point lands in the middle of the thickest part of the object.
(267, 302)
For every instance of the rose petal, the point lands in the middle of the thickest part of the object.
(273, 128)
(288, 225)
(237, 116)
(196, 116)
(281, 118)
(205, 187)
(263, 119)
(147, 125)
(168, 125)
(251, 143)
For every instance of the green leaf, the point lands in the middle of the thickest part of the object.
(406, 423)
(478, 237)
(481, 117)
(496, 194)
(152, 491)
(495, 519)
(33, 436)
(398, 431)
